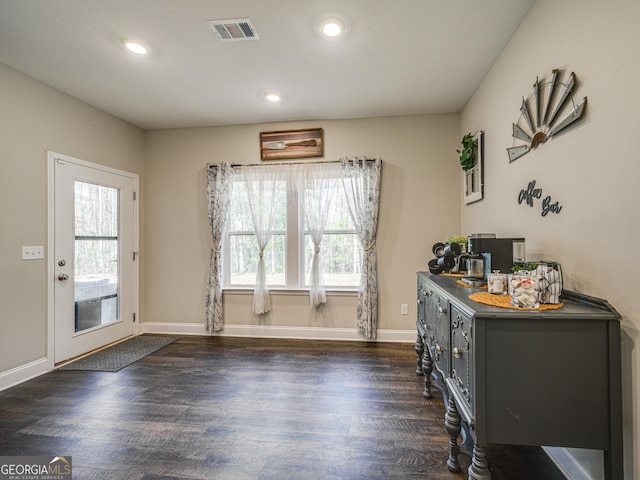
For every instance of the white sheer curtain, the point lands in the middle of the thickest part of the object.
(219, 186)
(264, 187)
(318, 190)
(361, 182)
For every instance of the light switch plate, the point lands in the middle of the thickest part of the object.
(32, 253)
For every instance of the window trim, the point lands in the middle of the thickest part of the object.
(333, 292)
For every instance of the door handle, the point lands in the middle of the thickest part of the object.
(63, 276)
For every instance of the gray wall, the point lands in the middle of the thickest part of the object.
(419, 205)
(36, 118)
(592, 170)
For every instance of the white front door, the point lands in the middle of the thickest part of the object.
(92, 259)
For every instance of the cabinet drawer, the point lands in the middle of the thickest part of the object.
(462, 355)
(437, 319)
(423, 297)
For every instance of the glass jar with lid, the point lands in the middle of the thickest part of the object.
(497, 283)
(524, 288)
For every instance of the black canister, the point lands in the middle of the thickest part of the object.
(447, 261)
(452, 249)
(434, 267)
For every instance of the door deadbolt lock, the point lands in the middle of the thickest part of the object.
(63, 276)
(62, 263)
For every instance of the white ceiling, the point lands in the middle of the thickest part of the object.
(397, 57)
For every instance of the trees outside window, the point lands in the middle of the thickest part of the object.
(289, 252)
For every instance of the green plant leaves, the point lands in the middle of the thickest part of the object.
(467, 157)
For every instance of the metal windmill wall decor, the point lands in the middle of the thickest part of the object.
(549, 109)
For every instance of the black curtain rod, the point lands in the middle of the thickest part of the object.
(235, 165)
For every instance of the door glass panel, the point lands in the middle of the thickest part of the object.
(96, 255)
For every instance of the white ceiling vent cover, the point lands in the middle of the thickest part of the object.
(234, 30)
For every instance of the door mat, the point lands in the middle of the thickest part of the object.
(120, 355)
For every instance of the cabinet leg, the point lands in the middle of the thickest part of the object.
(419, 348)
(427, 369)
(478, 470)
(453, 425)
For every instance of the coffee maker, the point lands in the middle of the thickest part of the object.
(498, 253)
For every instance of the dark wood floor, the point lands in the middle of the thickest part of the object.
(229, 408)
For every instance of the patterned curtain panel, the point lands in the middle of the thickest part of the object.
(362, 188)
(219, 185)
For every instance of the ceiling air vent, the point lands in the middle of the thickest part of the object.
(234, 30)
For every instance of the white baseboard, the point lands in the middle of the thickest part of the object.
(266, 331)
(22, 373)
(568, 464)
(167, 328)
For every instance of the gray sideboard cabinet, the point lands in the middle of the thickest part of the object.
(516, 377)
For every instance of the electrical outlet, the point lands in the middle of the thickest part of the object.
(404, 309)
(32, 253)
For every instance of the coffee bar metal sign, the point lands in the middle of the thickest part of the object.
(531, 193)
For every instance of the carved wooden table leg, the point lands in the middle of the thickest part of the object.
(427, 369)
(419, 348)
(453, 425)
(478, 469)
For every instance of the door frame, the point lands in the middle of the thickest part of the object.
(50, 264)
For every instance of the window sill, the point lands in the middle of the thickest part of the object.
(290, 292)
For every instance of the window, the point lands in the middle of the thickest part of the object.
(242, 246)
(96, 248)
(289, 253)
(340, 257)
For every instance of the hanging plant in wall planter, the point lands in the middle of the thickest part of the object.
(468, 152)
(471, 161)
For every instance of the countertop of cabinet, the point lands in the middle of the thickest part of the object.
(575, 305)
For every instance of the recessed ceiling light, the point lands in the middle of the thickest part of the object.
(332, 27)
(273, 97)
(134, 46)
